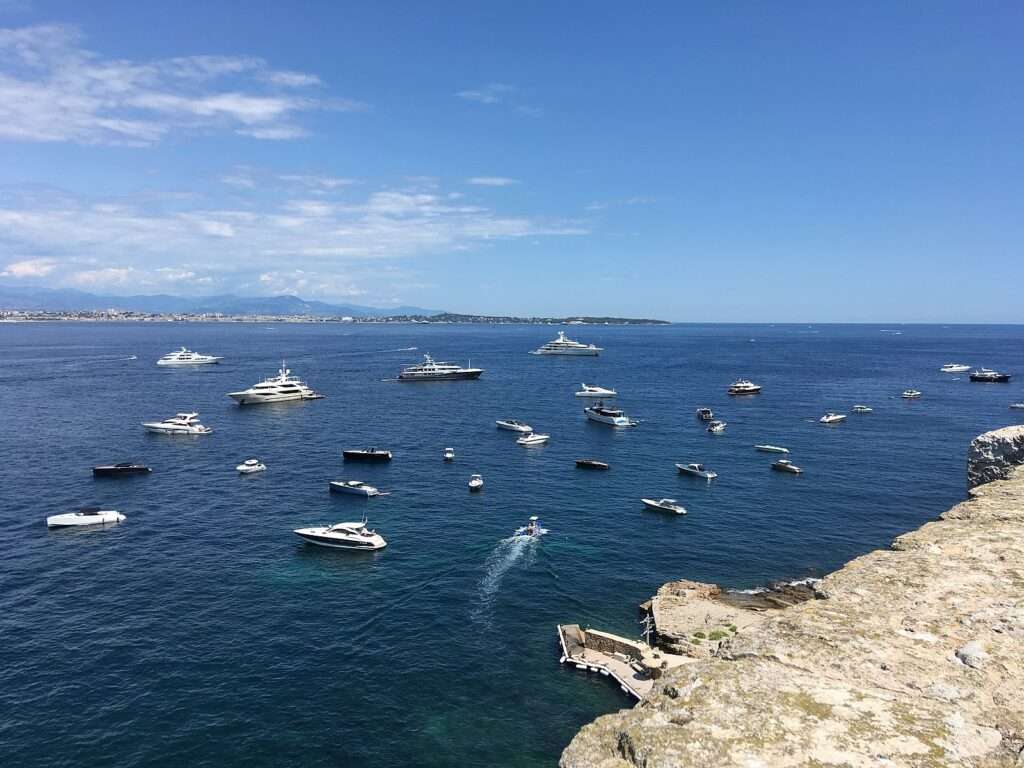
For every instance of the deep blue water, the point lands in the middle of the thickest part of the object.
(202, 632)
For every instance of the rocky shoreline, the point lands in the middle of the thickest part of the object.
(912, 656)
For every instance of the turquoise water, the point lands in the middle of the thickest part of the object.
(202, 632)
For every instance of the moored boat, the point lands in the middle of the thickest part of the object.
(771, 448)
(355, 488)
(366, 454)
(533, 439)
(605, 415)
(862, 409)
(990, 376)
(277, 389)
(179, 424)
(744, 387)
(476, 482)
(185, 356)
(566, 346)
(832, 418)
(664, 505)
(513, 425)
(910, 394)
(343, 536)
(716, 427)
(785, 465)
(432, 370)
(449, 454)
(696, 470)
(592, 390)
(591, 464)
(955, 368)
(120, 470)
(85, 516)
(705, 414)
(251, 467)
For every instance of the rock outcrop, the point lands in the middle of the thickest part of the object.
(994, 454)
(912, 656)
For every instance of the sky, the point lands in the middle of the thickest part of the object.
(728, 161)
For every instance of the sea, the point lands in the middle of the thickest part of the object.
(202, 632)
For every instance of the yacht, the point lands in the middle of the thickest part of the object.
(475, 482)
(120, 470)
(1017, 406)
(771, 448)
(449, 454)
(85, 516)
(533, 439)
(185, 356)
(862, 409)
(910, 394)
(343, 536)
(276, 389)
(665, 505)
(366, 454)
(355, 488)
(431, 370)
(785, 465)
(832, 418)
(987, 374)
(566, 346)
(716, 427)
(592, 390)
(179, 424)
(744, 387)
(251, 467)
(591, 464)
(514, 425)
(697, 470)
(606, 415)
(955, 368)
(705, 414)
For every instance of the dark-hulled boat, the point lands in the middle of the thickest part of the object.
(120, 470)
(988, 375)
(591, 464)
(366, 454)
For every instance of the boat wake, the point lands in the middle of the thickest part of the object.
(517, 550)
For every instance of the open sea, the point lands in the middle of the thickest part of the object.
(203, 632)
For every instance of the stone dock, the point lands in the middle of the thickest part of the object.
(912, 656)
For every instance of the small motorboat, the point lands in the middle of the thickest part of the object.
(771, 448)
(475, 482)
(532, 528)
(716, 427)
(120, 470)
(1017, 406)
(744, 387)
(514, 425)
(343, 536)
(592, 390)
(665, 505)
(910, 394)
(533, 439)
(705, 414)
(179, 424)
(251, 467)
(591, 464)
(605, 415)
(366, 454)
(355, 488)
(85, 516)
(862, 409)
(955, 368)
(785, 465)
(832, 418)
(988, 375)
(449, 454)
(697, 470)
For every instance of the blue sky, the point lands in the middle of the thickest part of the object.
(735, 161)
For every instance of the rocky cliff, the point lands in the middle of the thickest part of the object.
(909, 657)
(993, 454)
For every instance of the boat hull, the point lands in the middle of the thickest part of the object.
(583, 352)
(157, 429)
(120, 471)
(656, 507)
(590, 464)
(185, 364)
(72, 520)
(999, 378)
(249, 398)
(361, 456)
(351, 491)
(335, 543)
(455, 376)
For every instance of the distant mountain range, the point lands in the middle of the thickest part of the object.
(66, 300)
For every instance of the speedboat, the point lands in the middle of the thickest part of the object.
(606, 415)
(532, 528)
(861, 409)
(744, 387)
(785, 465)
(355, 488)
(366, 454)
(955, 368)
(697, 470)
(910, 394)
(716, 427)
(1017, 406)
(120, 470)
(449, 454)
(343, 536)
(665, 505)
(592, 390)
(514, 425)
(431, 370)
(533, 439)
(276, 389)
(591, 464)
(566, 346)
(705, 414)
(832, 418)
(179, 424)
(772, 448)
(988, 375)
(85, 516)
(251, 466)
(185, 356)
(475, 482)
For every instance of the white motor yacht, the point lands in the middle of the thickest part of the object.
(449, 454)
(566, 346)
(85, 516)
(1017, 406)
(910, 394)
(592, 390)
(185, 356)
(355, 488)
(832, 418)
(343, 536)
(744, 387)
(475, 482)
(771, 448)
(862, 409)
(785, 465)
(955, 368)
(533, 439)
(705, 414)
(665, 505)
(988, 375)
(431, 370)
(251, 467)
(514, 425)
(276, 389)
(716, 427)
(179, 424)
(697, 470)
(605, 415)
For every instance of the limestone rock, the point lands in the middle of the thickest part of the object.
(993, 454)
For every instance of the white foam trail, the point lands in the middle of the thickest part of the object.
(517, 549)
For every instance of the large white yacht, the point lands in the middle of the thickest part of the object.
(431, 370)
(566, 346)
(276, 389)
(179, 424)
(606, 415)
(955, 368)
(744, 387)
(592, 390)
(85, 516)
(343, 536)
(355, 487)
(185, 356)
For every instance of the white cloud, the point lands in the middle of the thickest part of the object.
(29, 268)
(315, 181)
(53, 89)
(491, 181)
(108, 276)
(492, 93)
